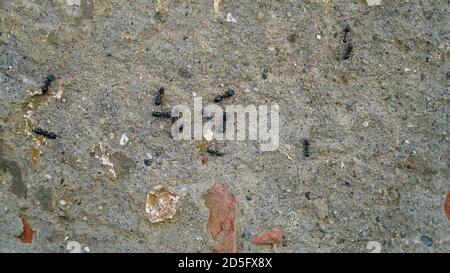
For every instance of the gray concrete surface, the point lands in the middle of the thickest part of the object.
(377, 123)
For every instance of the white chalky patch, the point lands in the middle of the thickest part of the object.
(123, 139)
(374, 246)
(73, 2)
(373, 2)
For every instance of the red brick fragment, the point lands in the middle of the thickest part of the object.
(205, 159)
(27, 235)
(447, 206)
(222, 218)
(271, 237)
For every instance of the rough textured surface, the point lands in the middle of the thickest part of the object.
(447, 206)
(373, 104)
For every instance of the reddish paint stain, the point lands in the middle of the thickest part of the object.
(222, 219)
(271, 237)
(27, 235)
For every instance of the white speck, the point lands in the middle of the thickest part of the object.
(319, 37)
(366, 123)
(373, 3)
(406, 141)
(406, 70)
(62, 203)
(194, 94)
(73, 2)
(410, 125)
(123, 139)
(85, 218)
(231, 19)
(87, 249)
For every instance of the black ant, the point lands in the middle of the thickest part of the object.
(348, 46)
(306, 151)
(158, 97)
(227, 94)
(162, 114)
(47, 82)
(40, 131)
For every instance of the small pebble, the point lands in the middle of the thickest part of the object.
(185, 73)
(231, 19)
(426, 240)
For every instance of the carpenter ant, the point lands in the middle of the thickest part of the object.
(229, 93)
(211, 151)
(306, 151)
(40, 131)
(348, 46)
(162, 114)
(158, 97)
(47, 83)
